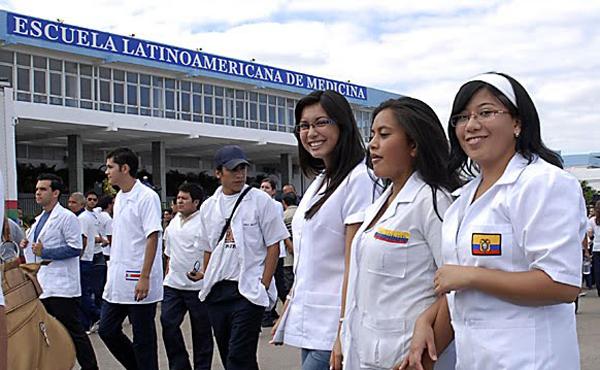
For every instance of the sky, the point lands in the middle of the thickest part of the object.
(425, 49)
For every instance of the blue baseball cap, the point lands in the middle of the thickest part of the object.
(230, 156)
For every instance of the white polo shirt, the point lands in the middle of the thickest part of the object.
(392, 267)
(89, 227)
(594, 229)
(181, 246)
(256, 224)
(136, 216)
(59, 278)
(105, 229)
(312, 318)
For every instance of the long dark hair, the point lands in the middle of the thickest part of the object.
(348, 152)
(424, 129)
(529, 142)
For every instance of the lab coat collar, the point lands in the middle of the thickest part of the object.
(513, 170)
(407, 195)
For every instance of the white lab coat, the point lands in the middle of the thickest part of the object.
(314, 308)
(59, 278)
(533, 217)
(392, 267)
(256, 224)
(136, 216)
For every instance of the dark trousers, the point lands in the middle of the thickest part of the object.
(142, 354)
(236, 325)
(176, 303)
(99, 272)
(68, 312)
(596, 269)
(90, 311)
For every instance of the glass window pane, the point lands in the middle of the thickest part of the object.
(71, 86)
(229, 93)
(169, 83)
(219, 91)
(85, 69)
(145, 79)
(6, 74)
(56, 65)
(239, 109)
(262, 112)
(132, 77)
(23, 79)
(105, 73)
(132, 95)
(218, 106)
(119, 92)
(197, 103)
(118, 75)
(6, 56)
(71, 67)
(272, 114)
(169, 99)
(23, 59)
(157, 101)
(240, 94)
(185, 102)
(272, 100)
(86, 88)
(253, 111)
(157, 81)
(208, 89)
(208, 107)
(186, 85)
(253, 96)
(55, 84)
(39, 62)
(144, 96)
(196, 87)
(262, 98)
(39, 82)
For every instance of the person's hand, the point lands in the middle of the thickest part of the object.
(142, 288)
(422, 340)
(105, 242)
(195, 276)
(37, 248)
(24, 243)
(336, 360)
(274, 330)
(452, 277)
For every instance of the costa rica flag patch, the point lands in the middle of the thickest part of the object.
(486, 244)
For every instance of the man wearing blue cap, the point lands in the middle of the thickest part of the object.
(240, 232)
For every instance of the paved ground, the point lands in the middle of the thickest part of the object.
(284, 358)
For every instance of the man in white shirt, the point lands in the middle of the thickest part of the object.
(89, 229)
(240, 257)
(180, 293)
(56, 236)
(134, 278)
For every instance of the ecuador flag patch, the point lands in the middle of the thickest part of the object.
(486, 244)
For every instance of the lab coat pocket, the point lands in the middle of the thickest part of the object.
(381, 342)
(322, 313)
(491, 246)
(389, 260)
(503, 344)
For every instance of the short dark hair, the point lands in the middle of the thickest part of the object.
(56, 183)
(90, 192)
(529, 142)
(194, 190)
(105, 201)
(270, 181)
(349, 150)
(290, 199)
(122, 156)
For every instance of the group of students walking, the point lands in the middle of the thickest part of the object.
(411, 253)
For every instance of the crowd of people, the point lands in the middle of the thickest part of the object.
(408, 253)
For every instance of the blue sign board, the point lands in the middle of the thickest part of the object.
(41, 29)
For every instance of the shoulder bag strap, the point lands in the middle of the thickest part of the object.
(228, 220)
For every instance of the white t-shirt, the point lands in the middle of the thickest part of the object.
(181, 246)
(256, 225)
(105, 229)
(594, 230)
(136, 216)
(89, 227)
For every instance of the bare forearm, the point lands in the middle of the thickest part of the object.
(270, 264)
(150, 254)
(206, 260)
(528, 288)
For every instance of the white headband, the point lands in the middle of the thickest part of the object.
(499, 82)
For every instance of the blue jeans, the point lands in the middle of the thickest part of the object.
(143, 352)
(176, 303)
(314, 359)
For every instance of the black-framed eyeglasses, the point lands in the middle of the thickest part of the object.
(318, 124)
(483, 116)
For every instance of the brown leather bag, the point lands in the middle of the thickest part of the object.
(36, 340)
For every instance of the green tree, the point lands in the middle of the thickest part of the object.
(588, 192)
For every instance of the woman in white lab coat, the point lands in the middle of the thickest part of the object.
(397, 250)
(330, 148)
(511, 242)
